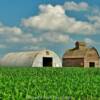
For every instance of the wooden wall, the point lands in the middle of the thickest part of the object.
(73, 62)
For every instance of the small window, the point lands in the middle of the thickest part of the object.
(92, 64)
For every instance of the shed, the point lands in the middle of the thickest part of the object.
(81, 56)
(44, 58)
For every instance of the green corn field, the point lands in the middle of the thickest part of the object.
(49, 83)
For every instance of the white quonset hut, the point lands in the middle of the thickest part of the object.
(44, 58)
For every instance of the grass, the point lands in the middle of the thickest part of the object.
(49, 83)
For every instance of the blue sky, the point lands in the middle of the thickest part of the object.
(48, 24)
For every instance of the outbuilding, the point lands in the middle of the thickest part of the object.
(44, 58)
(81, 56)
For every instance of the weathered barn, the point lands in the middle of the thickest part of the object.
(81, 56)
(42, 58)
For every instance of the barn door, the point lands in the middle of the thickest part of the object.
(47, 61)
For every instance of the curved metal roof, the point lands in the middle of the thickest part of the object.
(28, 58)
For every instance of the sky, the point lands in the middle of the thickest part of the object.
(27, 25)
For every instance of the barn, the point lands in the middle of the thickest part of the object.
(81, 56)
(43, 58)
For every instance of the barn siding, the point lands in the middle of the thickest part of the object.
(86, 63)
(91, 56)
(73, 62)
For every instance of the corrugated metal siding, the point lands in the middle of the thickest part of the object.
(30, 59)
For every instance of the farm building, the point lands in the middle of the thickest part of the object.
(32, 59)
(81, 56)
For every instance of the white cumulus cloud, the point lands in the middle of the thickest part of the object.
(82, 6)
(56, 37)
(96, 22)
(15, 35)
(53, 18)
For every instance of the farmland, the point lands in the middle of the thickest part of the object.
(49, 83)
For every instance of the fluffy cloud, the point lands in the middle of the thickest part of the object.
(94, 18)
(7, 30)
(14, 35)
(96, 22)
(52, 22)
(82, 6)
(54, 19)
(56, 37)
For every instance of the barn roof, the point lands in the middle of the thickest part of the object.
(75, 53)
(25, 57)
(79, 51)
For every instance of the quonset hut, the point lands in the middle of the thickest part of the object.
(44, 58)
(81, 56)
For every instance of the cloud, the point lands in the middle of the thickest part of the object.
(24, 39)
(90, 41)
(7, 30)
(56, 37)
(52, 25)
(2, 46)
(16, 36)
(82, 6)
(96, 22)
(53, 19)
(31, 47)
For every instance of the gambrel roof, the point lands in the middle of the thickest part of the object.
(79, 52)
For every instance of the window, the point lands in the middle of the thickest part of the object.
(92, 64)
